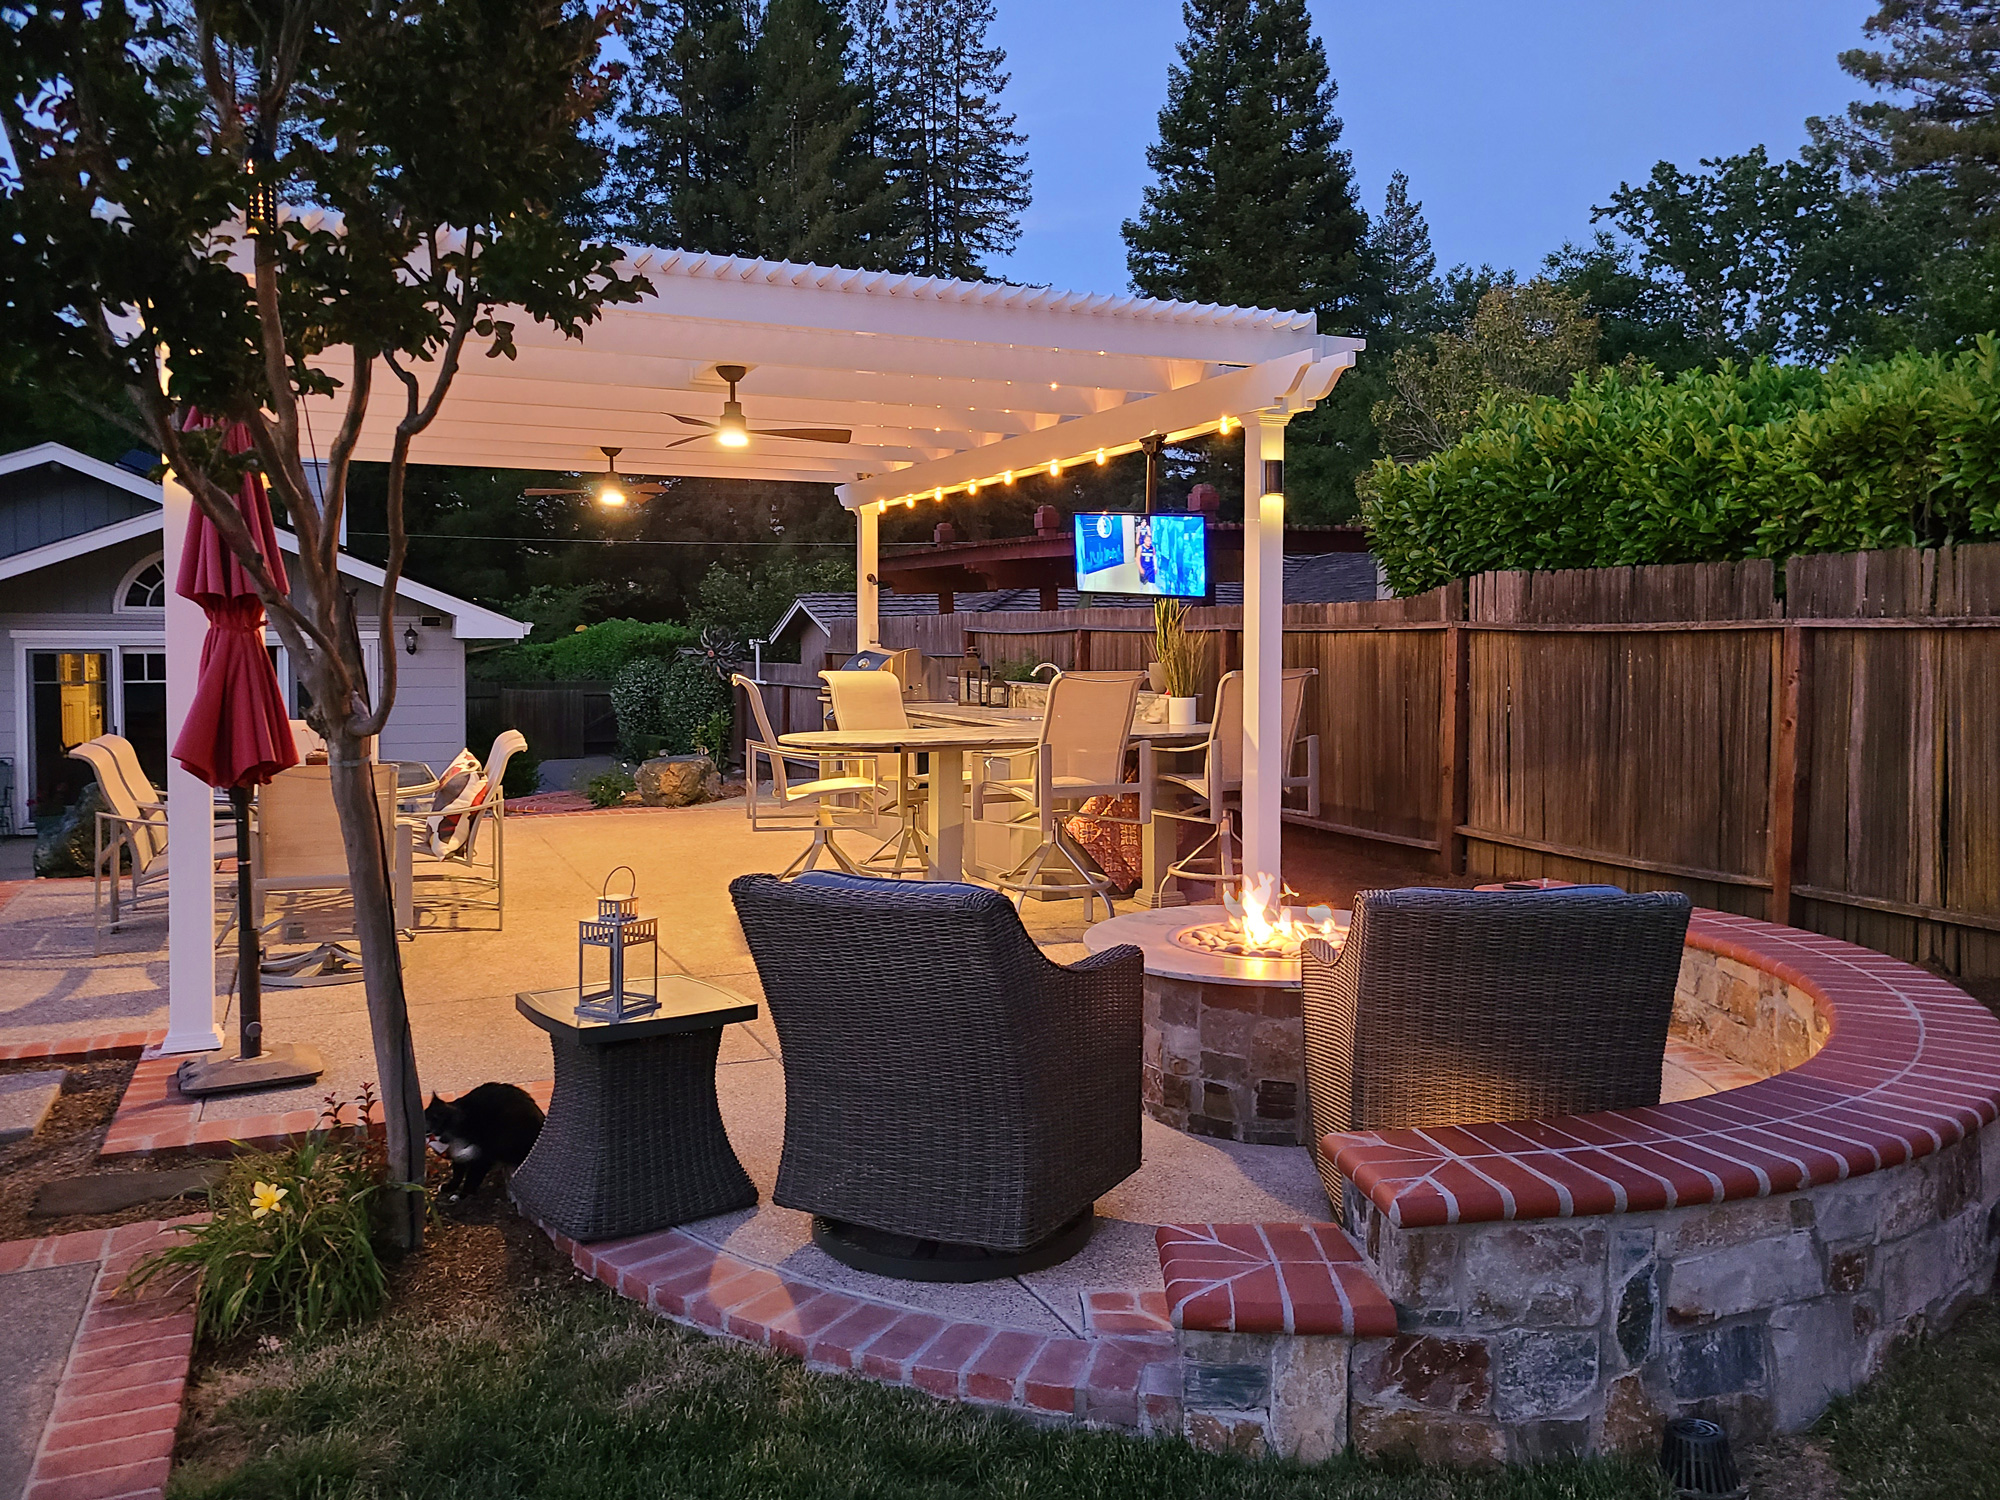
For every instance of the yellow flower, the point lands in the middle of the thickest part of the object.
(265, 1199)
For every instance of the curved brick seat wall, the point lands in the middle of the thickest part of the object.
(1566, 1285)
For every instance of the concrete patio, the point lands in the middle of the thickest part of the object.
(462, 981)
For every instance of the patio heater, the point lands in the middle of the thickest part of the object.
(621, 934)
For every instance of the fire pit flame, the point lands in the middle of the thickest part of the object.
(1260, 925)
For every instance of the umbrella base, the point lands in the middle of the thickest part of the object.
(280, 1066)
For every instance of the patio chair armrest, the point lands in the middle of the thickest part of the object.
(1098, 1018)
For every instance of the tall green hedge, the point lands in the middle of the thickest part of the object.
(596, 654)
(1766, 461)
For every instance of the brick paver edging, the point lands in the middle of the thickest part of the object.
(1912, 1065)
(82, 1048)
(1130, 1382)
(110, 1433)
(1270, 1278)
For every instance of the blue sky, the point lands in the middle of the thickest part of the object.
(1511, 117)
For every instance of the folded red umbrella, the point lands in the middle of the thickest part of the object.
(237, 732)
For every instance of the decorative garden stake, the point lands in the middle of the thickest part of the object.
(618, 929)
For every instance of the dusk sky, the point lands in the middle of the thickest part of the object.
(1511, 117)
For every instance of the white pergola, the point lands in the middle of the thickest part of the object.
(945, 386)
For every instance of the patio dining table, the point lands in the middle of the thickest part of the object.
(955, 729)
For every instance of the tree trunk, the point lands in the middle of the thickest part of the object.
(352, 774)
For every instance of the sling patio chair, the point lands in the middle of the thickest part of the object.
(1448, 1007)
(1213, 786)
(874, 700)
(955, 1101)
(298, 865)
(1086, 734)
(460, 836)
(131, 835)
(834, 797)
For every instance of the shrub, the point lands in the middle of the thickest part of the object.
(662, 707)
(288, 1238)
(523, 777)
(712, 737)
(1715, 466)
(598, 653)
(609, 788)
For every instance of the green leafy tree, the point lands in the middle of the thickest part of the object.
(444, 140)
(957, 160)
(1531, 340)
(682, 167)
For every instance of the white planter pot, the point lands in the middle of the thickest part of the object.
(1181, 710)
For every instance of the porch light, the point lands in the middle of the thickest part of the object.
(410, 640)
(621, 934)
(732, 431)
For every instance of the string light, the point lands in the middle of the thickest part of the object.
(1008, 477)
(1055, 468)
(972, 488)
(1222, 428)
(1100, 455)
(938, 493)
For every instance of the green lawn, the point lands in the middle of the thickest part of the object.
(570, 1394)
(576, 1396)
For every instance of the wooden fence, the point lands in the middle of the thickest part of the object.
(562, 720)
(1821, 749)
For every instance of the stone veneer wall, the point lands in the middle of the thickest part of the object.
(1527, 1340)
(1745, 1014)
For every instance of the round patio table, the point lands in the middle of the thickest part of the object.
(634, 1139)
(946, 746)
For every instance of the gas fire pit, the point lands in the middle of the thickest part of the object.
(1224, 1038)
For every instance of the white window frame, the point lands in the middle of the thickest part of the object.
(145, 611)
(114, 642)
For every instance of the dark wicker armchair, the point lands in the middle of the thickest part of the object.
(955, 1102)
(1470, 1007)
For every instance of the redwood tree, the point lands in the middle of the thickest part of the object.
(428, 159)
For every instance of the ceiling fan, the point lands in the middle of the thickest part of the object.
(732, 431)
(611, 487)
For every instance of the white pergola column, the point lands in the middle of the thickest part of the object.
(1263, 641)
(867, 569)
(190, 816)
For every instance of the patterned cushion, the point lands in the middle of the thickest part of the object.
(460, 786)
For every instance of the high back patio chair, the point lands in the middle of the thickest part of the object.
(298, 850)
(130, 842)
(873, 700)
(1086, 734)
(1473, 1007)
(830, 798)
(955, 1102)
(866, 700)
(1209, 790)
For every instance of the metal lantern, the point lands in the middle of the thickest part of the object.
(621, 933)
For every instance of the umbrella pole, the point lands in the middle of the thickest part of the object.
(255, 1066)
(249, 942)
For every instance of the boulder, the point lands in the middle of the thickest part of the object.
(69, 847)
(678, 781)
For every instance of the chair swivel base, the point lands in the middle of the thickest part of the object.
(278, 1066)
(906, 1258)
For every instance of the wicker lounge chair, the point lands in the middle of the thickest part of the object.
(955, 1102)
(1472, 1007)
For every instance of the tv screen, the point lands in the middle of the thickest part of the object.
(1125, 554)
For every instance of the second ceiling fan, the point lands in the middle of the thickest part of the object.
(732, 430)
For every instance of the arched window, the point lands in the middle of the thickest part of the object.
(144, 588)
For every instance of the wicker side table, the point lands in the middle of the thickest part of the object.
(634, 1139)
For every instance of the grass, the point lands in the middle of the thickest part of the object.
(1929, 1427)
(572, 1395)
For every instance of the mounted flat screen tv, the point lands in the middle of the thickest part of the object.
(1164, 555)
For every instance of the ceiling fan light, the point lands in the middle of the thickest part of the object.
(611, 495)
(732, 431)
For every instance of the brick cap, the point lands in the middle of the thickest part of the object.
(1270, 1278)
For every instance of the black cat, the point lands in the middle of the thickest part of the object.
(495, 1122)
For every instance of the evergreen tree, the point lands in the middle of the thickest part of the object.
(1402, 241)
(682, 170)
(1254, 202)
(961, 165)
(819, 192)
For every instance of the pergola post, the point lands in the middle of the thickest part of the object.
(190, 814)
(867, 570)
(1263, 641)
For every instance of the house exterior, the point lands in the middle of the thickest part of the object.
(83, 631)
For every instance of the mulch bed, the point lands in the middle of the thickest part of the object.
(66, 1146)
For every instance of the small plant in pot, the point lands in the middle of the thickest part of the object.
(1179, 652)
